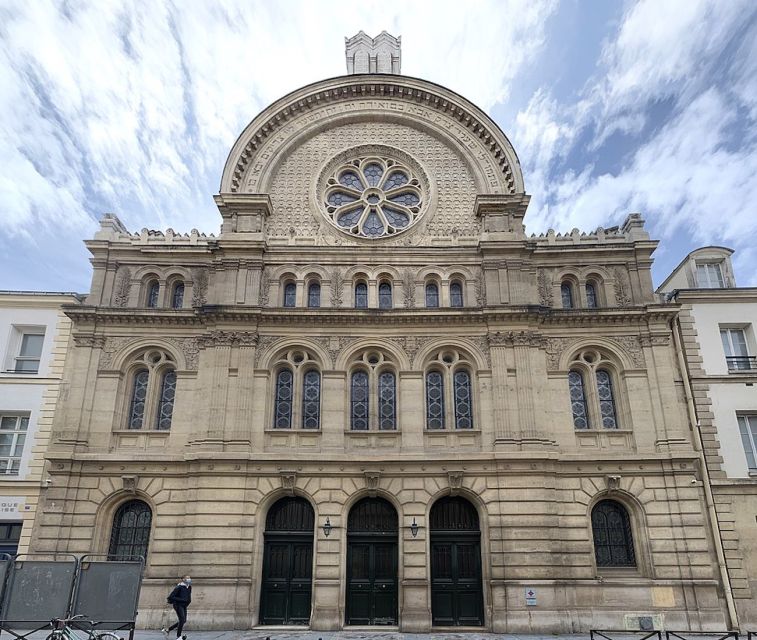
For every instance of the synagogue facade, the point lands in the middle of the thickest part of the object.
(372, 399)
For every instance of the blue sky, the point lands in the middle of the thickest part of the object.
(613, 107)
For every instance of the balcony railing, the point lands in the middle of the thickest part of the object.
(741, 363)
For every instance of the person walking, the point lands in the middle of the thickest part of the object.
(180, 598)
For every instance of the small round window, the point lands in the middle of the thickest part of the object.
(373, 197)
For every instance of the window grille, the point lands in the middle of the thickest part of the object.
(456, 295)
(385, 296)
(606, 399)
(359, 401)
(578, 400)
(434, 400)
(311, 399)
(463, 401)
(290, 294)
(283, 403)
(387, 401)
(361, 295)
(314, 295)
(130, 536)
(613, 539)
(138, 399)
(167, 397)
(432, 295)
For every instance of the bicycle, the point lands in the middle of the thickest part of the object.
(62, 630)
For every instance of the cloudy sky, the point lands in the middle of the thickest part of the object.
(613, 107)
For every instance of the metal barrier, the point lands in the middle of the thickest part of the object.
(701, 635)
(35, 588)
(623, 634)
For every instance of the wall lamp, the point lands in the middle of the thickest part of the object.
(414, 528)
(327, 527)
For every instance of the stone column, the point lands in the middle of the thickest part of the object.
(504, 431)
(411, 410)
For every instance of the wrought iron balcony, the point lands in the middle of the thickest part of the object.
(741, 363)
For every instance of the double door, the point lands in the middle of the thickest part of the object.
(287, 579)
(371, 581)
(456, 591)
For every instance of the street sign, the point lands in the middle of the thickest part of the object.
(530, 597)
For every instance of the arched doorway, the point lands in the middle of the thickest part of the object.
(287, 563)
(372, 534)
(456, 585)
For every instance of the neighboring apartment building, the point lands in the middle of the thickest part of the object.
(373, 399)
(34, 335)
(717, 333)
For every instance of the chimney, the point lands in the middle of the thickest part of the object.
(381, 54)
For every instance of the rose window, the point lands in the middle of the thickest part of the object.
(373, 197)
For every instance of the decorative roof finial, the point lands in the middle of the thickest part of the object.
(381, 54)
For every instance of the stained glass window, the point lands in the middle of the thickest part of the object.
(167, 397)
(463, 400)
(130, 536)
(359, 401)
(578, 400)
(434, 400)
(456, 294)
(138, 399)
(153, 289)
(613, 539)
(311, 400)
(361, 295)
(566, 294)
(591, 296)
(432, 295)
(387, 401)
(290, 294)
(314, 295)
(177, 300)
(385, 296)
(606, 399)
(283, 402)
(373, 197)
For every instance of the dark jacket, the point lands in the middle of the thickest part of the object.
(181, 594)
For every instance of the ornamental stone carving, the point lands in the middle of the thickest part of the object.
(632, 346)
(190, 347)
(622, 288)
(480, 288)
(112, 346)
(337, 288)
(455, 479)
(408, 289)
(515, 339)
(229, 339)
(200, 287)
(544, 287)
(555, 348)
(265, 287)
(122, 287)
(288, 481)
(94, 342)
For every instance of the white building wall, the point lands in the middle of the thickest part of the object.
(710, 318)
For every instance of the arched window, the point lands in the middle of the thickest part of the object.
(166, 402)
(591, 295)
(359, 401)
(290, 294)
(578, 400)
(434, 400)
(432, 295)
(138, 399)
(385, 295)
(311, 399)
(361, 295)
(314, 295)
(592, 392)
(177, 298)
(153, 290)
(283, 402)
(606, 399)
(455, 294)
(130, 535)
(566, 295)
(463, 400)
(387, 397)
(613, 538)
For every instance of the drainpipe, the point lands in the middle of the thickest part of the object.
(699, 446)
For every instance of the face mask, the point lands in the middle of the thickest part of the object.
(188, 580)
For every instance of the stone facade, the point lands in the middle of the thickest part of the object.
(247, 313)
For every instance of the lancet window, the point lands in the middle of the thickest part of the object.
(297, 391)
(592, 391)
(373, 393)
(152, 391)
(449, 391)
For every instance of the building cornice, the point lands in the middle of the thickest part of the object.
(733, 294)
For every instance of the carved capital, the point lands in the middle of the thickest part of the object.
(288, 481)
(372, 482)
(455, 479)
(612, 483)
(129, 483)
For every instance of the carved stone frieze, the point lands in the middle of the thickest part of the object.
(200, 287)
(190, 347)
(112, 346)
(265, 287)
(632, 346)
(122, 287)
(659, 340)
(622, 288)
(229, 339)
(555, 348)
(408, 289)
(411, 344)
(480, 288)
(94, 342)
(544, 287)
(482, 342)
(515, 339)
(337, 286)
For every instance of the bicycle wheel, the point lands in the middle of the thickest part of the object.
(53, 636)
(106, 635)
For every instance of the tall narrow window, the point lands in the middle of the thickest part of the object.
(566, 295)
(361, 295)
(29, 353)
(434, 400)
(736, 351)
(463, 400)
(578, 400)
(12, 438)
(283, 401)
(130, 536)
(591, 295)
(138, 399)
(613, 539)
(385, 296)
(153, 289)
(311, 400)
(290, 294)
(709, 275)
(177, 300)
(606, 399)
(359, 401)
(167, 397)
(387, 396)
(314, 295)
(748, 430)
(456, 294)
(432, 295)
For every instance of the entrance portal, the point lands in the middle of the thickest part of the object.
(456, 591)
(287, 563)
(372, 533)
